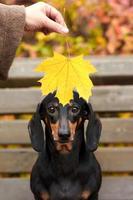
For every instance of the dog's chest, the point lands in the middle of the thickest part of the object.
(65, 189)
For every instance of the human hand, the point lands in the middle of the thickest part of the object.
(45, 18)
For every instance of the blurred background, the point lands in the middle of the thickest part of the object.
(97, 27)
(101, 28)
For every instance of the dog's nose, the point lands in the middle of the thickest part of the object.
(64, 133)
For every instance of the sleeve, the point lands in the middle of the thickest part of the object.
(12, 22)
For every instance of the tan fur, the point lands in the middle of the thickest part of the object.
(65, 147)
(55, 130)
(45, 196)
(72, 127)
(85, 195)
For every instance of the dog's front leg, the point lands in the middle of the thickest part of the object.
(85, 195)
(91, 189)
(38, 188)
(42, 196)
(45, 196)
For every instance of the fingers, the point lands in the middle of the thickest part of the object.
(45, 18)
(54, 14)
(53, 26)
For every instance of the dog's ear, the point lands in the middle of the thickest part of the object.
(36, 131)
(93, 130)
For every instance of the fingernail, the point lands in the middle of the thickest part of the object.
(64, 30)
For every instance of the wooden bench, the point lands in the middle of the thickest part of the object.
(112, 97)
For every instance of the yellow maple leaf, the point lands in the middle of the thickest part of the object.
(65, 75)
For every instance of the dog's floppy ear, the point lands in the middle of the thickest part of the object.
(93, 130)
(36, 131)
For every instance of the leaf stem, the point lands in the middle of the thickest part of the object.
(66, 37)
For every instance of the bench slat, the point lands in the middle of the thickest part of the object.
(117, 130)
(111, 159)
(15, 188)
(109, 98)
(115, 159)
(113, 188)
(14, 132)
(114, 130)
(106, 66)
(117, 188)
(110, 70)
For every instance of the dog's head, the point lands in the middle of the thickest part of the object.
(62, 123)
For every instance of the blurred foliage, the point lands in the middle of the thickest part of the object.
(97, 27)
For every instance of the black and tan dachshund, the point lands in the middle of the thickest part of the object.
(66, 168)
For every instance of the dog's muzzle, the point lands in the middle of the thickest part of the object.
(64, 135)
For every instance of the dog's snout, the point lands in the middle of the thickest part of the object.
(64, 133)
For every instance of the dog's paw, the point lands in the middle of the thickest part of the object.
(45, 196)
(85, 195)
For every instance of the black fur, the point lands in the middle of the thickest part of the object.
(65, 176)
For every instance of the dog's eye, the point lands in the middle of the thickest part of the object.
(51, 109)
(74, 109)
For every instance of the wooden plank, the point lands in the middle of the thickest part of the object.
(113, 188)
(14, 188)
(115, 159)
(111, 159)
(114, 130)
(117, 188)
(19, 100)
(17, 160)
(112, 98)
(106, 66)
(22, 83)
(14, 132)
(111, 70)
(109, 98)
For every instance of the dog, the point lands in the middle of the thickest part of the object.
(66, 168)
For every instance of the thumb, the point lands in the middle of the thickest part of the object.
(55, 26)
